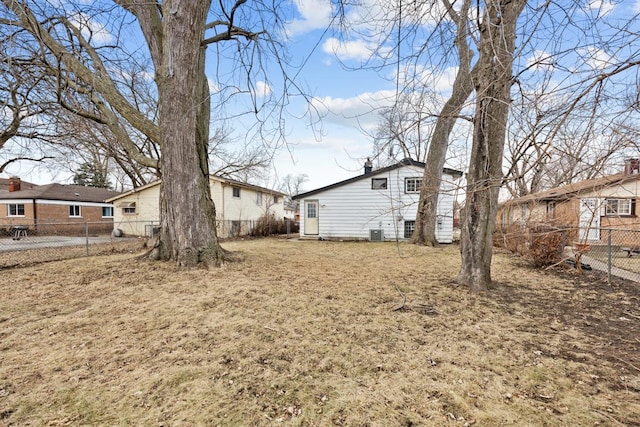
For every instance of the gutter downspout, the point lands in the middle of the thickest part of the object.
(35, 215)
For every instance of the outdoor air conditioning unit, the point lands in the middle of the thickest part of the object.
(376, 235)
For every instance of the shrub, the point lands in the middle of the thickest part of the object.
(546, 245)
(268, 224)
(541, 245)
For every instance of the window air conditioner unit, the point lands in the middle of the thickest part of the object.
(376, 235)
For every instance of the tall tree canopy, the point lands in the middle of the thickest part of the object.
(564, 98)
(88, 51)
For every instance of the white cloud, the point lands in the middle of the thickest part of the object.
(636, 6)
(349, 50)
(91, 29)
(314, 14)
(213, 86)
(602, 7)
(263, 89)
(380, 13)
(540, 60)
(596, 58)
(359, 112)
(435, 81)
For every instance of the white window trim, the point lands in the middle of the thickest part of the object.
(417, 183)
(79, 211)
(625, 202)
(112, 212)
(16, 205)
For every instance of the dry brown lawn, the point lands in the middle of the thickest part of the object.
(315, 334)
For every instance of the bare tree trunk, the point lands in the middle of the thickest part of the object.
(188, 217)
(425, 230)
(493, 86)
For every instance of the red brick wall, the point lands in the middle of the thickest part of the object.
(50, 219)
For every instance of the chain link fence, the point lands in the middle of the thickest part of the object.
(614, 251)
(23, 244)
(227, 229)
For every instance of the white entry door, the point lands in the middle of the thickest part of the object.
(589, 219)
(311, 217)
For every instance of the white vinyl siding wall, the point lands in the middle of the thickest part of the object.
(146, 210)
(246, 207)
(349, 211)
(228, 207)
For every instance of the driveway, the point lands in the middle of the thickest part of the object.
(7, 244)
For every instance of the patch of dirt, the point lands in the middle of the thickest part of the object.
(315, 334)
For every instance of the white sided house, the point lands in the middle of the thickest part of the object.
(379, 205)
(238, 206)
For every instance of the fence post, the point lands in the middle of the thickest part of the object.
(609, 258)
(86, 235)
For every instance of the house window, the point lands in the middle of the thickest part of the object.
(312, 210)
(378, 183)
(617, 207)
(409, 227)
(551, 210)
(75, 211)
(275, 200)
(15, 209)
(259, 198)
(236, 192)
(524, 214)
(412, 185)
(107, 212)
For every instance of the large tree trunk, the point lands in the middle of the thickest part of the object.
(493, 86)
(425, 230)
(188, 217)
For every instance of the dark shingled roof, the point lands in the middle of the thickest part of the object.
(404, 162)
(63, 192)
(577, 188)
(24, 185)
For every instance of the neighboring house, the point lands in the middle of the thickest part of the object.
(238, 207)
(378, 205)
(583, 207)
(55, 208)
(10, 184)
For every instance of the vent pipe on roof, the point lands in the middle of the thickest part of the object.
(368, 166)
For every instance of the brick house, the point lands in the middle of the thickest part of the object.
(584, 208)
(54, 208)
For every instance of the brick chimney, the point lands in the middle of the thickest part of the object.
(14, 184)
(368, 166)
(631, 166)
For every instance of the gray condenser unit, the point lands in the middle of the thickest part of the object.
(376, 235)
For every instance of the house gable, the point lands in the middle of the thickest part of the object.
(406, 162)
(384, 200)
(137, 211)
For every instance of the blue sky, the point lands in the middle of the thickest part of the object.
(335, 148)
(339, 153)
